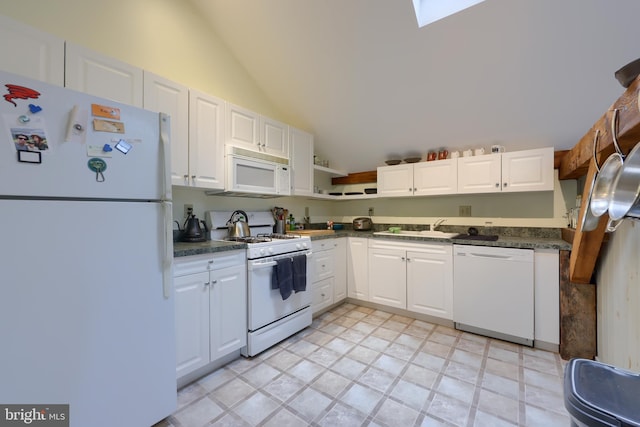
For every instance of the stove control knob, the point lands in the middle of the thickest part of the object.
(304, 245)
(262, 251)
(270, 250)
(298, 246)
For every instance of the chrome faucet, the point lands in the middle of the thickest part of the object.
(436, 224)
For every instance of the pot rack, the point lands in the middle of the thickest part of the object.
(623, 119)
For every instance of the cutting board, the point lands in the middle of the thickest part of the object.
(312, 232)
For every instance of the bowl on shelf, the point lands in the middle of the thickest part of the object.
(412, 159)
(393, 162)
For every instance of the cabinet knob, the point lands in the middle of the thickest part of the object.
(415, 189)
(497, 184)
(213, 282)
(408, 259)
(185, 176)
(504, 185)
(403, 259)
(193, 177)
(207, 283)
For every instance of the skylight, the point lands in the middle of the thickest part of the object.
(428, 11)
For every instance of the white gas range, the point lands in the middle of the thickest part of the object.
(270, 317)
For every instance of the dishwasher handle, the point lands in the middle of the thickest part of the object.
(502, 257)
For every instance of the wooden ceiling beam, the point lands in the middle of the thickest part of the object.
(576, 162)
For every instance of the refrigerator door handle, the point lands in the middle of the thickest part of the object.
(167, 262)
(165, 143)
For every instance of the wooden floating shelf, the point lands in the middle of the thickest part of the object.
(356, 178)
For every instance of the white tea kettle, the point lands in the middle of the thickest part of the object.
(238, 224)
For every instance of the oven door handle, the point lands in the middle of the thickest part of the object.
(255, 265)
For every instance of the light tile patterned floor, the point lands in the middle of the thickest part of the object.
(356, 366)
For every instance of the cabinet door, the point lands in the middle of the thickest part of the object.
(206, 133)
(388, 277)
(528, 170)
(339, 269)
(301, 150)
(89, 72)
(395, 180)
(192, 322)
(274, 137)
(228, 315)
(357, 272)
(437, 177)
(546, 282)
(479, 174)
(242, 127)
(322, 294)
(30, 52)
(430, 282)
(164, 96)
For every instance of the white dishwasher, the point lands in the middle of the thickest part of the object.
(493, 292)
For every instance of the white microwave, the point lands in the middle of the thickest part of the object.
(251, 173)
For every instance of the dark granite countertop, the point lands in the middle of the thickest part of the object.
(503, 241)
(181, 249)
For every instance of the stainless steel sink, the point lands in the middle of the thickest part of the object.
(425, 233)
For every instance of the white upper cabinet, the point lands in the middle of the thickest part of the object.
(242, 127)
(274, 137)
(395, 181)
(90, 72)
(206, 136)
(301, 151)
(418, 179)
(250, 130)
(479, 174)
(166, 96)
(30, 52)
(529, 170)
(436, 177)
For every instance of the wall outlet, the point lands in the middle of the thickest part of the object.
(464, 210)
(188, 210)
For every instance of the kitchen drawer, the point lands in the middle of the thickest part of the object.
(207, 262)
(323, 264)
(322, 294)
(322, 245)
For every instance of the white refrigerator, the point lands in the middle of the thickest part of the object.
(86, 303)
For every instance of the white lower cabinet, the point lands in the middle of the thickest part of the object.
(339, 269)
(322, 274)
(387, 275)
(211, 308)
(417, 277)
(546, 284)
(430, 281)
(357, 271)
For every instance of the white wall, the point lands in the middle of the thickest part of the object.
(537, 209)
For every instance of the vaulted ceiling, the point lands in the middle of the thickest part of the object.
(370, 85)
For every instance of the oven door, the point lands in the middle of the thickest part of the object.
(265, 305)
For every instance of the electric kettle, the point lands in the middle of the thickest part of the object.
(238, 224)
(192, 231)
